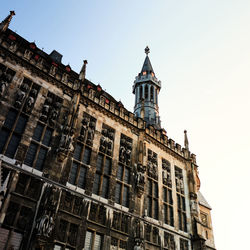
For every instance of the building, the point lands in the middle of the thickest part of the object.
(80, 171)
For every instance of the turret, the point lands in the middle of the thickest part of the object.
(146, 89)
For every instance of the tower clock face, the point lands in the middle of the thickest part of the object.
(204, 219)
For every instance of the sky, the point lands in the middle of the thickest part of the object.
(199, 49)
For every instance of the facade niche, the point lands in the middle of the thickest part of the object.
(107, 140)
(152, 165)
(6, 76)
(87, 131)
(125, 150)
(51, 109)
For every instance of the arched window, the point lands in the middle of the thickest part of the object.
(146, 92)
(152, 93)
(140, 94)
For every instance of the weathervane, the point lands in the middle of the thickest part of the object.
(147, 50)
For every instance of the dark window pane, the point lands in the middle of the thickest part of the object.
(127, 175)
(47, 136)
(38, 132)
(118, 193)
(183, 204)
(10, 119)
(125, 197)
(77, 152)
(4, 134)
(170, 197)
(107, 168)
(86, 156)
(155, 189)
(119, 172)
(105, 187)
(149, 187)
(12, 147)
(165, 197)
(11, 214)
(96, 183)
(30, 156)
(41, 158)
(149, 207)
(73, 173)
(165, 213)
(171, 214)
(156, 209)
(82, 177)
(21, 123)
(21, 184)
(25, 218)
(178, 201)
(99, 162)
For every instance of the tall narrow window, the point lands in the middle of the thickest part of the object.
(67, 234)
(82, 152)
(123, 172)
(140, 92)
(152, 93)
(181, 203)
(93, 241)
(153, 196)
(16, 120)
(102, 175)
(167, 193)
(104, 162)
(146, 92)
(169, 242)
(183, 244)
(39, 146)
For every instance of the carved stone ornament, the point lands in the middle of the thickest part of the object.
(45, 223)
(21, 94)
(50, 110)
(166, 173)
(152, 165)
(179, 181)
(140, 181)
(5, 80)
(87, 131)
(107, 141)
(125, 150)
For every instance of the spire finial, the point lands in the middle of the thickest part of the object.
(186, 140)
(83, 70)
(147, 50)
(5, 23)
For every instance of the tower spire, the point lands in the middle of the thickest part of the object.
(5, 23)
(186, 140)
(146, 89)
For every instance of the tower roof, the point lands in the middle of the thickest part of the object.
(147, 66)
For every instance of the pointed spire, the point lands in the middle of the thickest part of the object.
(186, 140)
(147, 67)
(5, 23)
(83, 70)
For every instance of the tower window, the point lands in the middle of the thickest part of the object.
(144, 73)
(146, 92)
(151, 93)
(140, 92)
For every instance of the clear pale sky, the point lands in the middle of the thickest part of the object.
(200, 50)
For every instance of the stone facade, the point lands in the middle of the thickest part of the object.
(79, 171)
